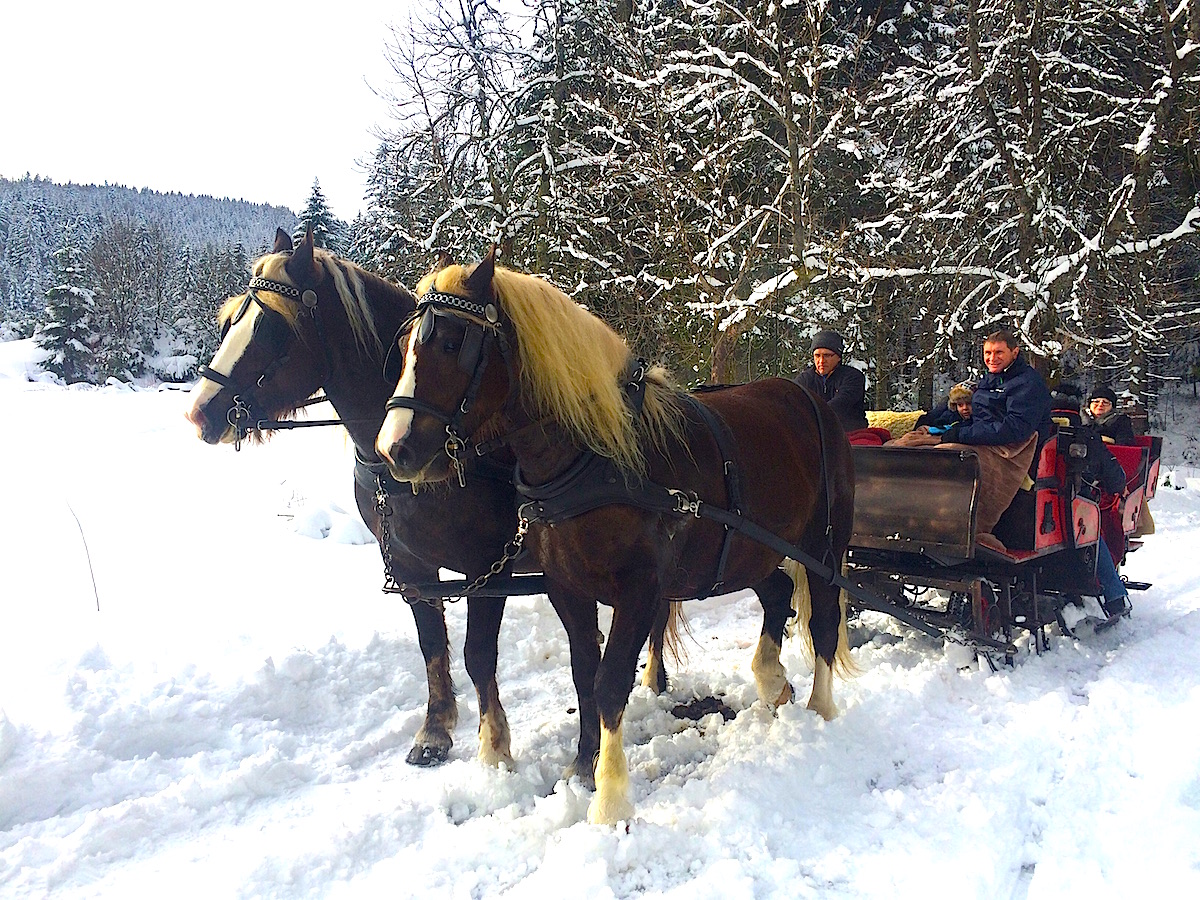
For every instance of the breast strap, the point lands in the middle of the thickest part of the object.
(593, 481)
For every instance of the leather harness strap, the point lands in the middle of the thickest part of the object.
(724, 438)
(593, 481)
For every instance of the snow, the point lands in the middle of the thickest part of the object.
(233, 720)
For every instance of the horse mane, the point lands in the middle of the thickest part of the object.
(347, 280)
(571, 366)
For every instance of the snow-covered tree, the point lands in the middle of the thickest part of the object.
(67, 331)
(1028, 157)
(328, 230)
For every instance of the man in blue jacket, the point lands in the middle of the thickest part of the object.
(1010, 420)
(1010, 403)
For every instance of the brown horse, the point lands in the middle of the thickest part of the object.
(311, 320)
(557, 382)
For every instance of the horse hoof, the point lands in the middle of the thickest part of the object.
(787, 695)
(587, 777)
(427, 756)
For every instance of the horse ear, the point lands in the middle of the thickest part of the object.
(283, 241)
(300, 265)
(443, 259)
(479, 283)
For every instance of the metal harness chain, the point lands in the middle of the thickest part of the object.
(390, 586)
(385, 535)
(511, 550)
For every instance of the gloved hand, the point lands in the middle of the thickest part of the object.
(950, 435)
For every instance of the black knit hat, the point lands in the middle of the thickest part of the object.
(828, 340)
(1103, 391)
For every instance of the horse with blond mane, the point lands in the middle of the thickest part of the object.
(310, 320)
(612, 459)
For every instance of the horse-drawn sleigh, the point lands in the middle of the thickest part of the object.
(632, 492)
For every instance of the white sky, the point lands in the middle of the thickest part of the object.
(232, 99)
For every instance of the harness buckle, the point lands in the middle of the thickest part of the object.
(238, 413)
(453, 445)
(685, 503)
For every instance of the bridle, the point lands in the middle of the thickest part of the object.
(484, 330)
(278, 336)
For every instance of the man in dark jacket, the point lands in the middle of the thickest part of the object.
(1010, 419)
(1011, 401)
(843, 387)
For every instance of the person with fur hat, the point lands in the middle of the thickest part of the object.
(843, 387)
(1115, 427)
(957, 408)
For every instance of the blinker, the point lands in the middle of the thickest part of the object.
(237, 316)
(272, 328)
(425, 326)
(472, 345)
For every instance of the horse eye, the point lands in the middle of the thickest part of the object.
(450, 345)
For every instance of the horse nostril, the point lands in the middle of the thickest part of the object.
(400, 454)
(390, 453)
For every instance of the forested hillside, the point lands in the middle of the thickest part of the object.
(121, 279)
(719, 178)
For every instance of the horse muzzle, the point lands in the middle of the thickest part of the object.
(409, 462)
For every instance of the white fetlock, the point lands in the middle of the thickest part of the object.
(609, 810)
(610, 804)
(821, 700)
(495, 742)
(770, 677)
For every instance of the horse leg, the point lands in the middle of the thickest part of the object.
(655, 674)
(775, 594)
(580, 619)
(479, 653)
(826, 625)
(432, 742)
(632, 620)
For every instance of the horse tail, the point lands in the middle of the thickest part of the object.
(666, 639)
(843, 662)
(677, 628)
(827, 534)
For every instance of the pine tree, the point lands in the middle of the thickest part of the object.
(69, 308)
(328, 230)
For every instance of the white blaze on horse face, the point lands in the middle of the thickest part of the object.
(398, 422)
(231, 350)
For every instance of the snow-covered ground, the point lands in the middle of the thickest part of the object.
(232, 721)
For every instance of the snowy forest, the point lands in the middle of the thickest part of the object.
(121, 282)
(719, 179)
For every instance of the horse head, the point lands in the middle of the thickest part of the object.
(456, 376)
(272, 355)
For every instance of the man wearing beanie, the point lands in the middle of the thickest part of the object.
(844, 388)
(1115, 427)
